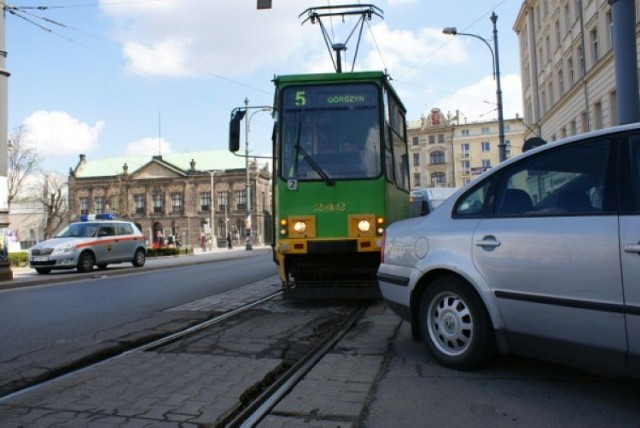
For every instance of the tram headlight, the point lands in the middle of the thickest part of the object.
(300, 226)
(380, 223)
(364, 225)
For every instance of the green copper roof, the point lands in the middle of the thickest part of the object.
(205, 161)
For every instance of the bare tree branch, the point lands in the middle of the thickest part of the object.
(54, 199)
(24, 160)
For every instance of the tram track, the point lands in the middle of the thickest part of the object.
(260, 406)
(146, 346)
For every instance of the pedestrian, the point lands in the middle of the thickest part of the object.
(203, 242)
(229, 246)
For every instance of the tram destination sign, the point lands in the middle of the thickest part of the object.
(330, 96)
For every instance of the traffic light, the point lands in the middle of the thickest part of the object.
(234, 130)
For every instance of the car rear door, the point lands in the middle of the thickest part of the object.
(630, 246)
(550, 251)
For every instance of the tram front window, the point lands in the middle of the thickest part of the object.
(330, 132)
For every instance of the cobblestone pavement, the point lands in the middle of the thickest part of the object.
(200, 380)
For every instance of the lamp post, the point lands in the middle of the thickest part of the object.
(212, 212)
(502, 149)
(248, 244)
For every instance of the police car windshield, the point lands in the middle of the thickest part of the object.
(79, 230)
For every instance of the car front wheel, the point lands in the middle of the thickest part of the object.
(86, 262)
(138, 258)
(455, 325)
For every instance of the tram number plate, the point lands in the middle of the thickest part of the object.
(292, 184)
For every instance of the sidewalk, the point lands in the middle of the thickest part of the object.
(25, 276)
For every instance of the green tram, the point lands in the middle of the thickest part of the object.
(341, 175)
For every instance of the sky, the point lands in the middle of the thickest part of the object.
(110, 78)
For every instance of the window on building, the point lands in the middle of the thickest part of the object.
(558, 34)
(466, 168)
(205, 201)
(561, 81)
(158, 202)
(416, 159)
(507, 148)
(585, 121)
(432, 139)
(464, 150)
(613, 107)
(99, 204)
(436, 157)
(438, 179)
(486, 146)
(241, 199)
(573, 127)
(464, 132)
(567, 18)
(597, 115)
(84, 205)
(581, 61)
(551, 95)
(416, 179)
(440, 138)
(563, 132)
(223, 200)
(547, 46)
(527, 78)
(572, 76)
(138, 201)
(176, 202)
(595, 54)
(486, 163)
(416, 141)
(609, 22)
(486, 130)
(541, 59)
(543, 100)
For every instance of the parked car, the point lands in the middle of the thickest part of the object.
(423, 201)
(539, 256)
(85, 244)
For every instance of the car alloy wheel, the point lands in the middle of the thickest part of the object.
(455, 325)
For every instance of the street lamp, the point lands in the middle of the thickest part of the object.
(248, 245)
(502, 150)
(212, 212)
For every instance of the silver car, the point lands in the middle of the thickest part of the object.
(539, 256)
(86, 244)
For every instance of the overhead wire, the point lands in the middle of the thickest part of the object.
(19, 11)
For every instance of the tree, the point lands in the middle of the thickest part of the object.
(54, 200)
(24, 161)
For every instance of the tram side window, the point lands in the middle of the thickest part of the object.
(399, 145)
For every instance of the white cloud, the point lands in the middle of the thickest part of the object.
(175, 38)
(57, 134)
(148, 146)
(479, 100)
(404, 51)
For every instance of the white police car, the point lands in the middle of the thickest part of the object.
(85, 244)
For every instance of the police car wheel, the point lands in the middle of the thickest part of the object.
(86, 262)
(138, 258)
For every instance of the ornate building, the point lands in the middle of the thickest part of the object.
(177, 194)
(446, 151)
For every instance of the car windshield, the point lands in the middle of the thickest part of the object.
(78, 230)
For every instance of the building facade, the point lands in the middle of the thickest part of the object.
(178, 195)
(446, 151)
(567, 66)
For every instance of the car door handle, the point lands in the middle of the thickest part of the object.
(631, 248)
(488, 242)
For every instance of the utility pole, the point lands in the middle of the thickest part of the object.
(5, 266)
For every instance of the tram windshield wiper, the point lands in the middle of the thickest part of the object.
(314, 165)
